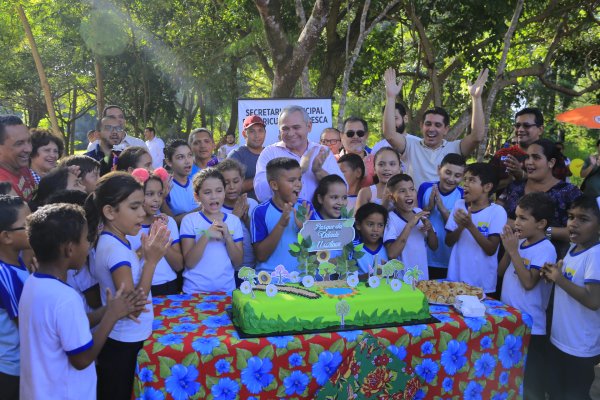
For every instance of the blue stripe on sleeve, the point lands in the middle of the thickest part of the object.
(119, 265)
(187, 237)
(80, 349)
(597, 281)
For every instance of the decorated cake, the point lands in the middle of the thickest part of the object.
(323, 294)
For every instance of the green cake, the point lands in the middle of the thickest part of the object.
(326, 305)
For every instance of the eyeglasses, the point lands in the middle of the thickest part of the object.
(327, 142)
(20, 228)
(350, 134)
(110, 128)
(524, 125)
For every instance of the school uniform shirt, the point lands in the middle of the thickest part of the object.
(367, 261)
(576, 328)
(82, 280)
(214, 272)
(181, 197)
(374, 198)
(113, 253)
(535, 301)
(264, 219)
(468, 262)
(53, 326)
(248, 260)
(163, 272)
(415, 250)
(11, 286)
(439, 258)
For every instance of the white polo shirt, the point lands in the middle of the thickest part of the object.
(156, 147)
(423, 161)
(52, 326)
(309, 180)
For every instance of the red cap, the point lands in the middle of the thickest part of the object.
(253, 120)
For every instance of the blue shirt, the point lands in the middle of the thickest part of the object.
(439, 258)
(12, 278)
(181, 197)
(368, 259)
(264, 219)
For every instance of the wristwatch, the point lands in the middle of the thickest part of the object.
(549, 233)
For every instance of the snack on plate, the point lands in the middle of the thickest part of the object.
(445, 292)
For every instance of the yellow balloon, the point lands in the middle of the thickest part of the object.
(576, 166)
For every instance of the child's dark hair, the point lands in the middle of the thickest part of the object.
(68, 196)
(52, 226)
(202, 176)
(367, 209)
(539, 205)
(485, 172)
(5, 188)
(57, 179)
(276, 165)
(323, 188)
(172, 146)
(9, 210)
(354, 161)
(454, 159)
(86, 164)
(588, 203)
(396, 179)
(112, 189)
(130, 157)
(230, 164)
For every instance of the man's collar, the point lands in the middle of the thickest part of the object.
(308, 147)
(443, 144)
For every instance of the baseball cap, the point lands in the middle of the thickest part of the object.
(253, 120)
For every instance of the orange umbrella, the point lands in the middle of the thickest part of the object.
(588, 116)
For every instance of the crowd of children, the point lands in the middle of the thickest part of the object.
(141, 233)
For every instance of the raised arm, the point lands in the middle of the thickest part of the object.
(392, 89)
(470, 142)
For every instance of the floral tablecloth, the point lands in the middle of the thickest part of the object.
(195, 352)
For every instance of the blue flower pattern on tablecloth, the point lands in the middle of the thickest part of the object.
(256, 376)
(295, 360)
(151, 394)
(476, 323)
(453, 358)
(295, 383)
(170, 339)
(205, 345)
(427, 348)
(182, 382)
(280, 342)
(222, 366)
(398, 351)
(500, 396)
(206, 306)
(442, 317)
(510, 351)
(146, 375)
(350, 336)
(415, 330)
(447, 384)
(499, 312)
(473, 391)
(485, 342)
(485, 365)
(185, 327)
(503, 379)
(180, 297)
(326, 365)
(172, 312)
(225, 389)
(216, 321)
(427, 370)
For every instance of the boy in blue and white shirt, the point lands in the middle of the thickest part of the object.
(439, 198)
(474, 229)
(527, 250)
(13, 212)
(275, 223)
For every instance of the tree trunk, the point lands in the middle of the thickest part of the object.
(70, 149)
(40, 69)
(304, 78)
(99, 88)
(234, 96)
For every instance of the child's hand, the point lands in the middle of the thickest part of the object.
(552, 272)
(462, 218)
(160, 219)
(123, 305)
(240, 209)
(509, 239)
(156, 243)
(298, 220)
(222, 229)
(418, 217)
(215, 231)
(432, 198)
(284, 220)
(426, 225)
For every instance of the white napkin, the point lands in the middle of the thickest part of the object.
(469, 306)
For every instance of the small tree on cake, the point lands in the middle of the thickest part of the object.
(249, 275)
(299, 250)
(342, 308)
(280, 272)
(388, 270)
(347, 263)
(326, 269)
(414, 274)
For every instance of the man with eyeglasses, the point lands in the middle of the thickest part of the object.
(508, 162)
(316, 161)
(330, 137)
(422, 156)
(109, 145)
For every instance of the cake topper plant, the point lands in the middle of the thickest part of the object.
(347, 262)
(326, 269)
(248, 275)
(305, 259)
(346, 214)
(342, 308)
(412, 275)
(280, 273)
(393, 268)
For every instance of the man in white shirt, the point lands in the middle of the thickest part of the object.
(423, 156)
(156, 147)
(316, 160)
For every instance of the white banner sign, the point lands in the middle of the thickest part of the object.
(319, 111)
